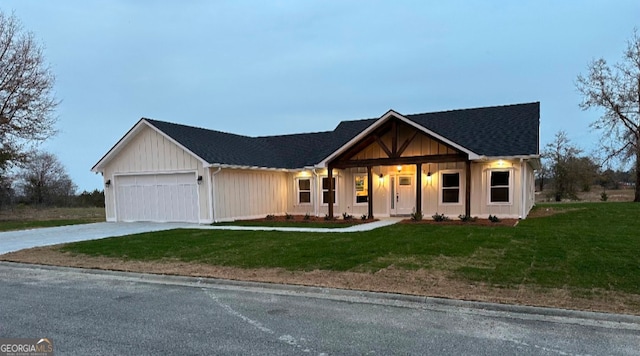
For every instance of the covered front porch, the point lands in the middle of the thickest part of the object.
(404, 159)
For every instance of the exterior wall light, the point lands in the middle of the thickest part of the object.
(399, 168)
(107, 183)
(380, 179)
(429, 177)
(199, 180)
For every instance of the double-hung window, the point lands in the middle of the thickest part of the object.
(325, 190)
(500, 186)
(450, 187)
(304, 191)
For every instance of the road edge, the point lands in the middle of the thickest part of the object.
(368, 297)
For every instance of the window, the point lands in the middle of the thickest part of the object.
(325, 190)
(404, 181)
(362, 189)
(451, 187)
(304, 191)
(500, 185)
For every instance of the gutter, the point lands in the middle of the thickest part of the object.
(523, 188)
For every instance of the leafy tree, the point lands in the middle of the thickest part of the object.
(616, 90)
(92, 199)
(44, 181)
(26, 98)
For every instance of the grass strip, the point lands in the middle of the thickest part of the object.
(9, 225)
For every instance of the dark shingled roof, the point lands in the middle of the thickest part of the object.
(509, 130)
(492, 131)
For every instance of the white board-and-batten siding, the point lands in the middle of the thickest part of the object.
(150, 152)
(247, 194)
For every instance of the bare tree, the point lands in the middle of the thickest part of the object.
(26, 98)
(560, 156)
(616, 90)
(7, 194)
(44, 181)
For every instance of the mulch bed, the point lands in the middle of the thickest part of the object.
(312, 219)
(478, 222)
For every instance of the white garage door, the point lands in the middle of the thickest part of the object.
(157, 197)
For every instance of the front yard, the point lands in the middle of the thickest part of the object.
(582, 256)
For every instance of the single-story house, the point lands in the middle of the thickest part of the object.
(476, 162)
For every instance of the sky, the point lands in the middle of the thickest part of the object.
(275, 67)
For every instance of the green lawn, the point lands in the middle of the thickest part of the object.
(585, 246)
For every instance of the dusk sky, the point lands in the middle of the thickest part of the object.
(276, 67)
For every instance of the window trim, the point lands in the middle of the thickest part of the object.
(366, 187)
(322, 190)
(441, 188)
(510, 186)
(298, 190)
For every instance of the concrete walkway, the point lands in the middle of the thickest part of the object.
(18, 240)
(355, 228)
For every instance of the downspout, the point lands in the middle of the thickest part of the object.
(316, 206)
(212, 203)
(523, 188)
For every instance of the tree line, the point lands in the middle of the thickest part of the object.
(565, 171)
(42, 181)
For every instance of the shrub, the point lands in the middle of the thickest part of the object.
(467, 218)
(307, 216)
(328, 218)
(604, 196)
(416, 216)
(363, 217)
(346, 216)
(271, 217)
(493, 218)
(439, 217)
(288, 216)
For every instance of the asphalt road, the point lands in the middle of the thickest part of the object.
(132, 314)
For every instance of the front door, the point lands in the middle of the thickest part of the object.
(403, 195)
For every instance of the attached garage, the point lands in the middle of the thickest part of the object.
(157, 197)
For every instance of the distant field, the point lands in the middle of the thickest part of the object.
(28, 218)
(594, 194)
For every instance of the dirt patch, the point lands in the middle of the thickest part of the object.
(477, 222)
(548, 211)
(433, 282)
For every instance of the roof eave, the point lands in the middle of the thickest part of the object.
(239, 166)
(533, 159)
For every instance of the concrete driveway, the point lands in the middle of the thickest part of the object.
(18, 240)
